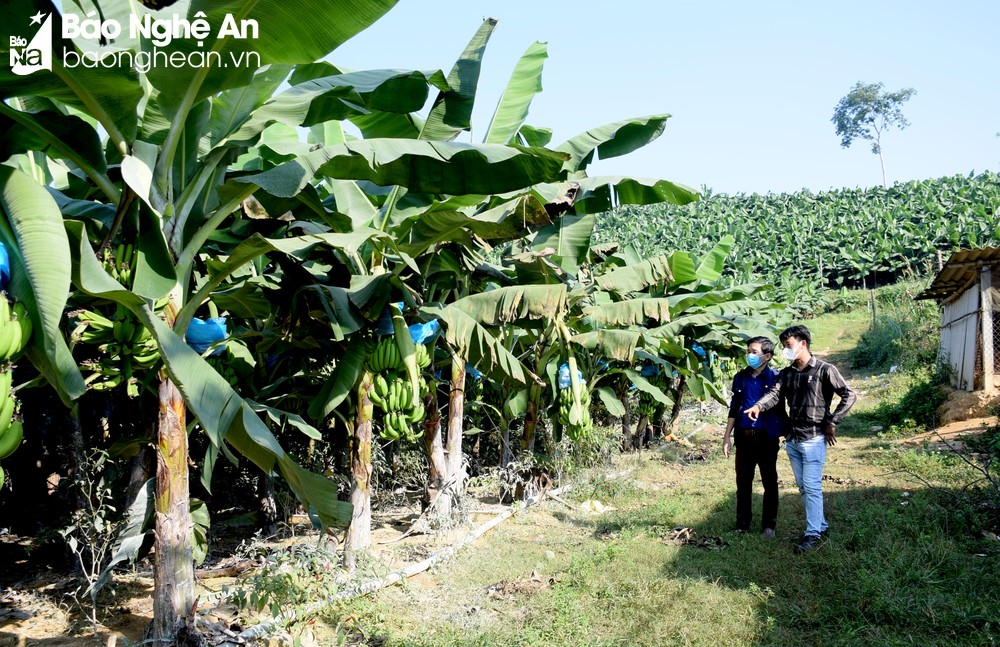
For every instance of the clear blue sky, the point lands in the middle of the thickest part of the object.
(751, 87)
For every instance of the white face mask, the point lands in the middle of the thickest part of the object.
(791, 353)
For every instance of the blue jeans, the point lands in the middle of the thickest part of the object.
(807, 458)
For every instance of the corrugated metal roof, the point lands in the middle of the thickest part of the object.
(960, 272)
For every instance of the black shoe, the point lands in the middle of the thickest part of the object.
(809, 542)
(798, 540)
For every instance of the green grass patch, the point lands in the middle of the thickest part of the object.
(896, 569)
(836, 333)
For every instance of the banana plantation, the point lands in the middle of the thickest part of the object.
(870, 237)
(234, 284)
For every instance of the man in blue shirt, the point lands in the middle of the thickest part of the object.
(756, 439)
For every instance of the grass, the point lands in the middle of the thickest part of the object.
(837, 333)
(900, 567)
(894, 571)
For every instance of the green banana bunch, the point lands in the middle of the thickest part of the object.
(120, 264)
(95, 329)
(385, 357)
(125, 346)
(15, 329)
(11, 430)
(380, 392)
(565, 404)
(400, 395)
(145, 352)
(108, 374)
(583, 428)
(473, 390)
(417, 414)
(647, 405)
(423, 356)
(11, 438)
(398, 425)
(224, 368)
(394, 426)
(392, 392)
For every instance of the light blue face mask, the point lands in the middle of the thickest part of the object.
(754, 361)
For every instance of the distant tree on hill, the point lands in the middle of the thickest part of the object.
(867, 112)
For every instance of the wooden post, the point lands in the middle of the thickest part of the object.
(940, 260)
(874, 310)
(986, 321)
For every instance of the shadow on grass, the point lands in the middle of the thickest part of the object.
(893, 571)
(898, 568)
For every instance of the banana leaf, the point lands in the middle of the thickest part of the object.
(222, 413)
(32, 230)
(452, 111)
(421, 166)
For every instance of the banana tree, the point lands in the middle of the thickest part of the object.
(425, 223)
(623, 309)
(165, 150)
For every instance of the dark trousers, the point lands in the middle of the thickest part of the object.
(755, 449)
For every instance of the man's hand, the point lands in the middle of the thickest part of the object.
(753, 412)
(727, 444)
(830, 433)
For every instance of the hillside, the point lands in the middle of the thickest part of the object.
(805, 241)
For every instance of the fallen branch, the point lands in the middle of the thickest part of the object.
(226, 571)
(559, 499)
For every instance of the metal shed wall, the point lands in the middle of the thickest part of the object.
(959, 332)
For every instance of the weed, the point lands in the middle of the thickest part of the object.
(904, 336)
(593, 450)
(288, 582)
(94, 527)
(909, 404)
(605, 488)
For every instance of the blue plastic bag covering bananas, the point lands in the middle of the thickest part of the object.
(202, 334)
(564, 379)
(421, 333)
(384, 326)
(4, 267)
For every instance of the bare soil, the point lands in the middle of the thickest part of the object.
(37, 604)
(967, 405)
(951, 436)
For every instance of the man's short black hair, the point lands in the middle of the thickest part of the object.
(799, 332)
(766, 345)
